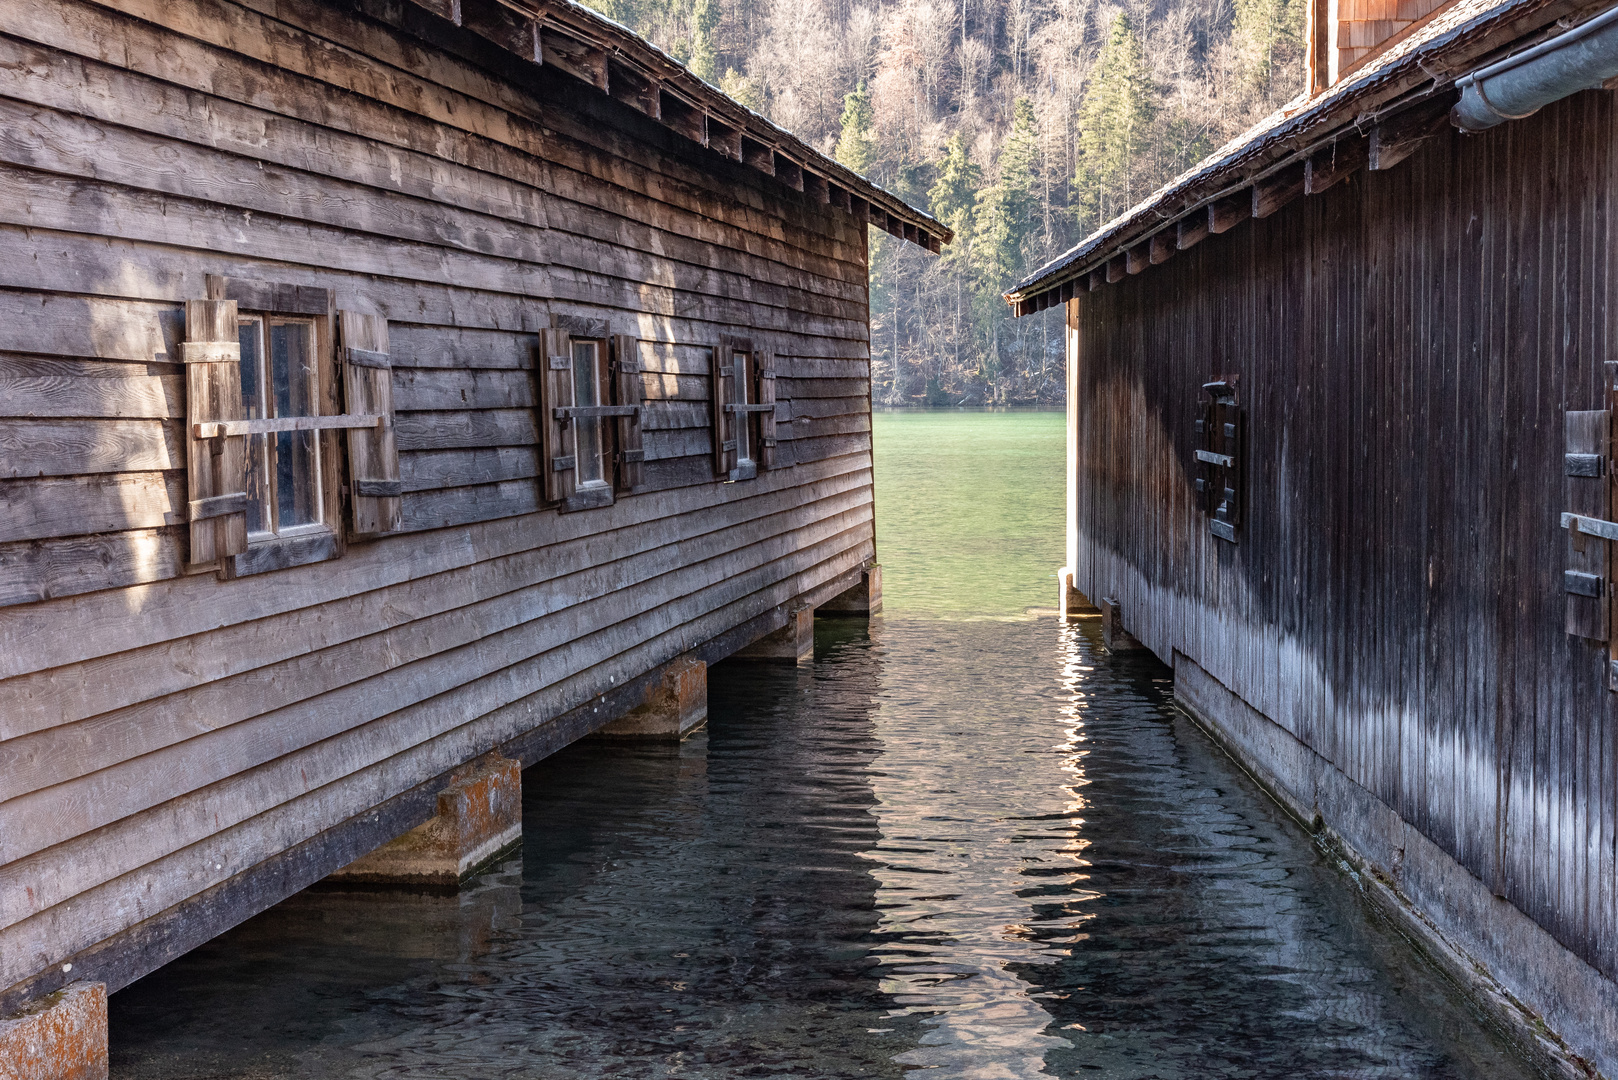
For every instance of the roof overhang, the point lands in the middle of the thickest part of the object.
(1374, 119)
(620, 64)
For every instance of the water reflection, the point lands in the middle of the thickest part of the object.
(1074, 882)
(975, 849)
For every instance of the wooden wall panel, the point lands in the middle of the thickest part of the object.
(148, 145)
(1407, 345)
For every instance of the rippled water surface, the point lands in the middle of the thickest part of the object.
(962, 843)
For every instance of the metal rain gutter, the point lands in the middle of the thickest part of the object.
(1582, 59)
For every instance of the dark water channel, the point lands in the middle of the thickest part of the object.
(966, 843)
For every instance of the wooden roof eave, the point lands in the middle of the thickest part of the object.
(1373, 122)
(619, 63)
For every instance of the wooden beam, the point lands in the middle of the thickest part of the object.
(1162, 246)
(1190, 230)
(1277, 189)
(444, 9)
(1094, 280)
(634, 89)
(860, 208)
(724, 139)
(789, 172)
(1229, 212)
(934, 244)
(1341, 159)
(839, 197)
(574, 57)
(680, 116)
(911, 233)
(815, 186)
(511, 30)
(1116, 269)
(761, 157)
(1136, 260)
(1399, 136)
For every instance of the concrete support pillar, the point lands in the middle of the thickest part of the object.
(1113, 634)
(675, 706)
(62, 1036)
(479, 821)
(1073, 603)
(863, 599)
(794, 642)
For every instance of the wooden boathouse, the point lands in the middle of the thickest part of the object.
(1341, 452)
(383, 386)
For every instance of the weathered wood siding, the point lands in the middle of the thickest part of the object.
(1407, 345)
(161, 733)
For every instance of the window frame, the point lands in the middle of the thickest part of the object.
(605, 431)
(264, 379)
(559, 439)
(742, 389)
(324, 539)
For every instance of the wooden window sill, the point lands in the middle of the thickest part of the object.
(263, 556)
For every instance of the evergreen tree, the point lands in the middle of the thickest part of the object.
(856, 147)
(741, 89)
(1114, 123)
(704, 27)
(953, 196)
(1007, 211)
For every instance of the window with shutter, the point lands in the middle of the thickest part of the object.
(264, 421)
(275, 441)
(588, 427)
(743, 409)
(1221, 439)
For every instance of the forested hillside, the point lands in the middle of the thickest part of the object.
(1023, 124)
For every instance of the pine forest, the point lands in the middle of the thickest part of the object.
(1022, 124)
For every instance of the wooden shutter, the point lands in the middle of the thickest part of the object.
(1586, 578)
(724, 393)
(764, 364)
(216, 468)
(626, 391)
(373, 456)
(1220, 453)
(555, 379)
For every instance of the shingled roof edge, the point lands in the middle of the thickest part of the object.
(1415, 68)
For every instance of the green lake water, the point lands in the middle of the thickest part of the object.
(969, 511)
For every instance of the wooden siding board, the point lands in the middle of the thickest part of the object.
(1408, 343)
(299, 70)
(493, 560)
(178, 729)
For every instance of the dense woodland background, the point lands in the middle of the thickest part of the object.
(1024, 124)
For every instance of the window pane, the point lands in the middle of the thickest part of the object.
(292, 356)
(297, 481)
(251, 334)
(587, 430)
(297, 453)
(744, 421)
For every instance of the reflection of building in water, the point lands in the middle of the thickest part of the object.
(1064, 886)
(966, 780)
